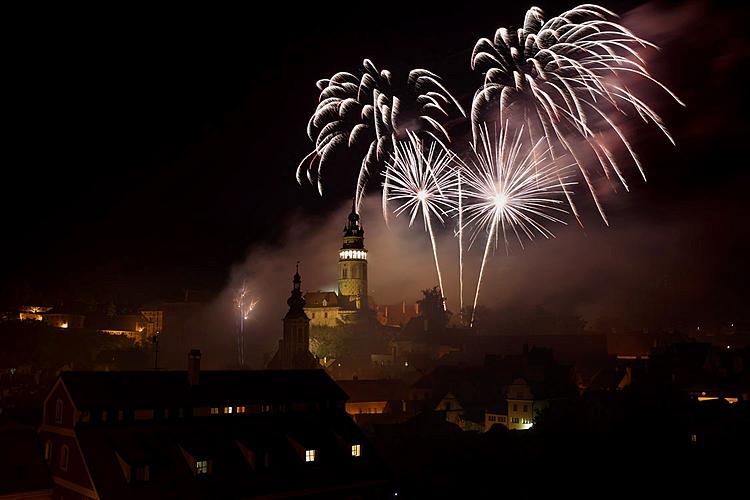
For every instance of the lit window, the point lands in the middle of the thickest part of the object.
(201, 466)
(356, 450)
(240, 409)
(47, 450)
(64, 457)
(265, 408)
(58, 411)
(309, 455)
(227, 409)
(214, 411)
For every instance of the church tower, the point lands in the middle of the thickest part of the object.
(353, 265)
(294, 346)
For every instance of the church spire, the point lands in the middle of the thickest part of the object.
(353, 226)
(296, 301)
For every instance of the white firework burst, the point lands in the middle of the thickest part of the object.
(512, 189)
(567, 77)
(421, 182)
(371, 108)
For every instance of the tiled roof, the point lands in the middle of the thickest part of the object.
(160, 389)
(315, 299)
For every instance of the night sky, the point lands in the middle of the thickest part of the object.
(148, 152)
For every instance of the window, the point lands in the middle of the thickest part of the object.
(58, 411)
(240, 409)
(309, 455)
(514, 420)
(227, 409)
(265, 408)
(313, 315)
(492, 418)
(64, 455)
(140, 473)
(47, 451)
(201, 466)
(356, 450)
(325, 315)
(515, 407)
(525, 408)
(214, 411)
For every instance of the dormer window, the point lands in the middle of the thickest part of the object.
(325, 303)
(64, 457)
(310, 455)
(140, 473)
(58, 411)
(201, 466)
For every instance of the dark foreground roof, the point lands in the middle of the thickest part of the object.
(253, 455)
(159, 389)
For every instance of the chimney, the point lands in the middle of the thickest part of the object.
(194, 366)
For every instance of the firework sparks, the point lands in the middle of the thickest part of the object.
(511, 189)
(245, 305)
(421, 183)
(372, 109)
(567, 77)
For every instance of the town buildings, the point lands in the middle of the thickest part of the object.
(205, 434)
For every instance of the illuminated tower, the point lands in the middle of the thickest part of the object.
(353, 265)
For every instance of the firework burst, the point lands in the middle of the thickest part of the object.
(567, 77)
(421, 182)
(513, 190)
(373, 110)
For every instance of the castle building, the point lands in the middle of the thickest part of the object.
(328, 308)
(294, 346)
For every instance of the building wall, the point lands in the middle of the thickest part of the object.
(71, 481)
(353, 281)
(491, 419)
(323, 316)
(366, 407)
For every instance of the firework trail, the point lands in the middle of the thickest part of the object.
(372, 109)
(245, 304)
(511, 189)
(421, 182)
(567, 77)
(460, 244)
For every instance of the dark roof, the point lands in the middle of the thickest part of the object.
(159, 389)
(374, 390)
(315, 299)
(607, 379)
(161, 446)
